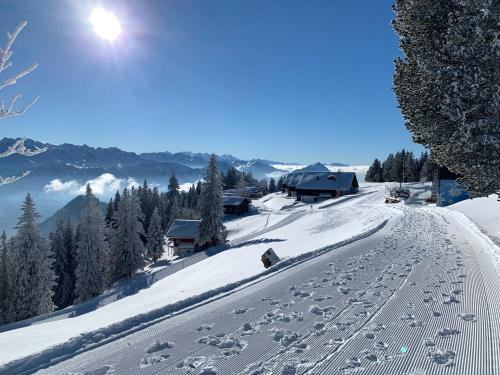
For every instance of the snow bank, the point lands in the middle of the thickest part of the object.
(484, 212)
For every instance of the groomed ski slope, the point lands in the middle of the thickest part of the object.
(419, 296)
(296, 231)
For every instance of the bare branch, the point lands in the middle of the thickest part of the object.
(9, 180)
(20, 148)
(7, 112)
(12, 80)
(6, 53)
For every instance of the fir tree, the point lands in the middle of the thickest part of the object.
(91, 250)
(447, 84)
(127, 249)
(387, 168)
(279, 184)
(374, 173)
(3, 278)
(272, 185)
(63, 267)
(211, 226)
(31, 277)
(156, 237)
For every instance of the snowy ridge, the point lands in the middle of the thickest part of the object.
(92, 340)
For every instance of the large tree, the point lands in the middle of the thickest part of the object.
(62, 247)
(156, 237)
(91, 250)
(211, 226)
(448, 84)
(3, 278)
(127, 249)
(31, 277)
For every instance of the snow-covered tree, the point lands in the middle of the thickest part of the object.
(8, 109)
(174, 198)
(127, 249)
(241, 186)
(3, 278)
(156, 237)
(211, 226)
(272, 185)
(62, 248)
(448, 84)
(91, 250)
(31, 277)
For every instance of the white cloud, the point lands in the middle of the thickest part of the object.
(105, 184)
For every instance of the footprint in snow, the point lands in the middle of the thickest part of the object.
(447, 332)
(104, 370)
(442, 357)
(241, 311)
(467, 317)
(159, 345)
(204, 327)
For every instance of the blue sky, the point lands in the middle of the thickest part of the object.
(283, 80)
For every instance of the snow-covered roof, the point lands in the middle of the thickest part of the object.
(184, 229)
(233, 200)
(294, 180)
(253, 189)
(327, 181)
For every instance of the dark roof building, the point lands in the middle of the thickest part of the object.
(314, 186)
(234, 205)
(183, 235)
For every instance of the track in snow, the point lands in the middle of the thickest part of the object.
(416, 298)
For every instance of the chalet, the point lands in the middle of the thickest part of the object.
(292, 183)
(183, 235)
(234, 205)
(317, 186)
(254, 192)
(449, 190)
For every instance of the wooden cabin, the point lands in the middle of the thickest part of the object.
(318, 186)
(182, 236)
(234, 205)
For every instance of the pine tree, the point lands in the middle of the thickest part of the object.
(242, 186)
(91, 250)
(211, 226)
(31, 277)
(174, 198)
(374, 173)
(63, 266)
(279, 185)
(447, 84)
(110, 209)
(387, 168)
(3, 278)
(272, 185)
(127, 249)
(69, 244)
(156, 237)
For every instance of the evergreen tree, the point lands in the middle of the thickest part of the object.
(69, 244)
(242, 186)
(375, 172)
(211, 226)
(31, 277)
(279, 185)
(174, 198)
(156, 237)
(447, 84)
(272, 185)
(3, 278)
(63, 267)
(110, 209)
(387, 168)
(127, 249)
(232, 178)
(91, 250)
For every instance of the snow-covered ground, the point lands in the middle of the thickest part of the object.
(484, 212)
(349, 309)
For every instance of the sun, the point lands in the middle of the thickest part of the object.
(105, 24)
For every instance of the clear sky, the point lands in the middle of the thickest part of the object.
(286, 80)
